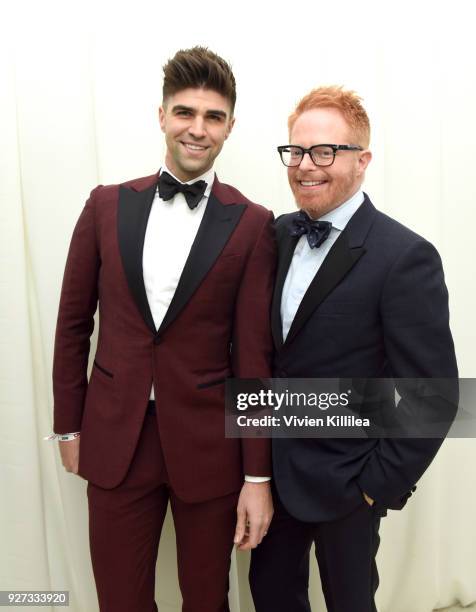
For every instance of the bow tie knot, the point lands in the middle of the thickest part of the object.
(169, 187)
(317, 231)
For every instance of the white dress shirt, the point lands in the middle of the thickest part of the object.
(171, 230)
(306, 261)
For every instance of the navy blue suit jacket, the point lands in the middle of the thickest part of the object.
(377, 308)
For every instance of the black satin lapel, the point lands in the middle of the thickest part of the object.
(340, 259)
(216, 227)
(132, 216)
(286, 248)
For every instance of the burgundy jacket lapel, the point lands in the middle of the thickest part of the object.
(219, 221)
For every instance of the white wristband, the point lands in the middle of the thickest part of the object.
(63, 437)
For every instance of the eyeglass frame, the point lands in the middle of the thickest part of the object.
(334, 148)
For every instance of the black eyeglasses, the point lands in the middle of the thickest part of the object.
(321, 154)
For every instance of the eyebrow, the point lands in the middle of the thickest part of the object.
(181, 107)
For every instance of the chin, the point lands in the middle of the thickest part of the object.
(312, 211)
(317, 210)
(193, 169)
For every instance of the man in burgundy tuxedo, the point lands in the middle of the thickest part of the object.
(181, 266)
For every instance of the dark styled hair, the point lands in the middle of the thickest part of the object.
(199, 67)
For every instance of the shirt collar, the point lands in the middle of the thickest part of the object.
(208, 177)
(340, 216)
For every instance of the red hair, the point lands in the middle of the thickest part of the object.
(348, 103)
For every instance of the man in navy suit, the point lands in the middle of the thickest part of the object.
(357, 295)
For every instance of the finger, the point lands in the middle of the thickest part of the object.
(244, 544)
(262, 533)
(265, 526)
(254, 537)
(240, 527)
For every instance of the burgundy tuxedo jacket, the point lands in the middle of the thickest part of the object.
(217, 326)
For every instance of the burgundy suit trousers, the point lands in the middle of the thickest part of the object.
(125, 524)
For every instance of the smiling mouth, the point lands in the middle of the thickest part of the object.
(194, 147)
(311, 183)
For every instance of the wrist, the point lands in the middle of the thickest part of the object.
(67, 437)
(257, 479)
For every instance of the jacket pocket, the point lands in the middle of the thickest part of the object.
(211, 383)
(103, 370)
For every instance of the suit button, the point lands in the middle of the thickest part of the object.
(157, 339)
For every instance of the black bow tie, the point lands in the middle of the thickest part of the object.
(193, 193)
(317, 231)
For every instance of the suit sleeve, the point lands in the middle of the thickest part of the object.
(418, 344)
(252, 340)
(75, 323)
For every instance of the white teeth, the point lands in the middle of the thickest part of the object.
(311, 183)
(194, 147)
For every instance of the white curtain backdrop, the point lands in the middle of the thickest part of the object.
(80, 85)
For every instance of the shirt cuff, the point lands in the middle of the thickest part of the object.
(257, 479)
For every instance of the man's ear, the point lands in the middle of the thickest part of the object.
(365, 158)
(231, 123)
(162, 113)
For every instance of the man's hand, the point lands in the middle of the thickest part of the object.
(368, 499)
(70, 455)
(254, 514)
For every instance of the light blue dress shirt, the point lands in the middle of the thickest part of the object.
(306, 261)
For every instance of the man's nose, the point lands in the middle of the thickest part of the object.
(197, 127)
(306, 162)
